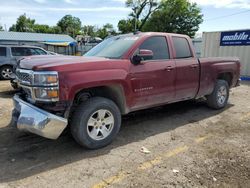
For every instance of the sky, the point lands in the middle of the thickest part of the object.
(218, 14)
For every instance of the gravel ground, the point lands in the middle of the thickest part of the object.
(189, 145)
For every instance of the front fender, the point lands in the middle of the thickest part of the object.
(74, 82)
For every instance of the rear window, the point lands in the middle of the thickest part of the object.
(2, 51)
(182, 48)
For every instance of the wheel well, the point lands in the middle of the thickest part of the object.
(227, 77)
(6, 65)
(114, 93)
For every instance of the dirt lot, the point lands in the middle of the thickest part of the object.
(190, 146)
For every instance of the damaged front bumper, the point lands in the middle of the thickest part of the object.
(27, 117)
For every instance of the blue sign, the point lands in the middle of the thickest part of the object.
(235, 38)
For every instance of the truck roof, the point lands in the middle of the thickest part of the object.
(22, 46)
(155, 33)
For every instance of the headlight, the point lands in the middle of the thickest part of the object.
(39, 85)
(46, 94)
(46, 78)
(46, 86)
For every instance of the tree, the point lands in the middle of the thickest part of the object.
(1, 28)
(126, 26)
(141, 10)
(41, 28)
(55, 30)
(13, 27)
(23, 24)
(176, 16)
(70, 25)
(89, 30)
(105, 31)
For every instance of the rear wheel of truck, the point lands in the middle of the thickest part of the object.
(5, 72)
(219, 97)
(96, 122)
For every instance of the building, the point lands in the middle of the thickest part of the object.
(62, 44)
(229, 44)
(197, 43)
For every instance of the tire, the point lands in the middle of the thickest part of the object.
(5, 72)
(87, 123)
(219, 97)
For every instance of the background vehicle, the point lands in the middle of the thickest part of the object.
(52, 53)
(122, 74)
(9, 55)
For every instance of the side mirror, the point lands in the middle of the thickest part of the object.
(141, 56)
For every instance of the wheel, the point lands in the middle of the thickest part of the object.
(96, 122)
(219, 97)
(5, 72)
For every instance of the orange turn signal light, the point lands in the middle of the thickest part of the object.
(51, 79)
(52, 93)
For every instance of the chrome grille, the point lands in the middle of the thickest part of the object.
(24, 76)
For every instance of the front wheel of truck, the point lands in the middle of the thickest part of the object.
(95, 122)
(219, 97)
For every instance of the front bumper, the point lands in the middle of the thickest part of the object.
(27, 117)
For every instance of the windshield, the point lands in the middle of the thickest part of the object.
(113, 47)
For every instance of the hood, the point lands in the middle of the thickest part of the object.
(57, 62)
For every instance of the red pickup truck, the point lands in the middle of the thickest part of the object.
(122, 74)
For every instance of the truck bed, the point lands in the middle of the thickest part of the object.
(211, 67)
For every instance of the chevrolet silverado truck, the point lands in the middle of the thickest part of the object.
(120, 75)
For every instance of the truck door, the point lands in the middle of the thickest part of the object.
(187, 69)
(152, 81)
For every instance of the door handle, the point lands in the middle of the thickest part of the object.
(194, 66)
(169, 68)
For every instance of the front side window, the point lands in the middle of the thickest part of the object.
(114, 47)
(158, 45)
(39, 51)
(33, 51)
(182, 48)
(2, 51)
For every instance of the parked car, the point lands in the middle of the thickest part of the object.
(9, 55)
(122, 74)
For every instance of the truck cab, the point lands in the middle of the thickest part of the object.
(122, 74)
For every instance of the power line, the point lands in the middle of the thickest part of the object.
(225, 16)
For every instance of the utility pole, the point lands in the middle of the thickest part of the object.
(136, 18)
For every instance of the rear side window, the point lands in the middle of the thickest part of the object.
(23, 51)
(2, 51)
(182, 48)
(158, 45)
(16, 51)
